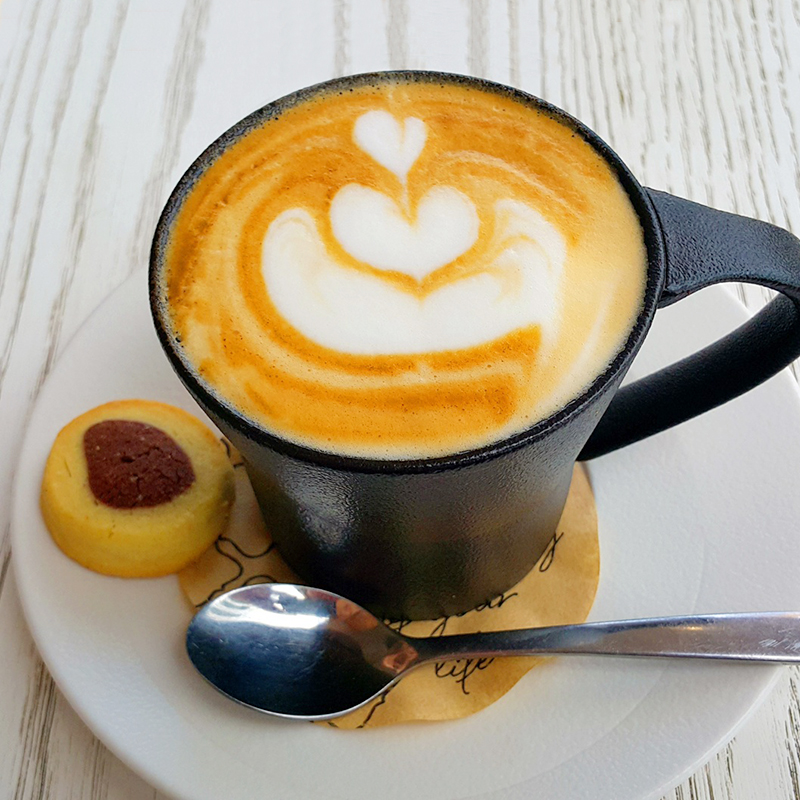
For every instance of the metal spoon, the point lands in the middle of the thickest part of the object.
(305, 653)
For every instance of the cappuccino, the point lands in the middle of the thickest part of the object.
(403, 269)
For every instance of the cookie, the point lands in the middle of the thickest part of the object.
(136, 489)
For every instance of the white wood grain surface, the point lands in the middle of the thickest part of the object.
(103, 103)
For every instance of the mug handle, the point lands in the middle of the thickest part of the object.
(706, 246)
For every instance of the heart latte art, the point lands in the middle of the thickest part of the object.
(356, 312)
(404, 270)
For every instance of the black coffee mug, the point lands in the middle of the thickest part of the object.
(424, 538)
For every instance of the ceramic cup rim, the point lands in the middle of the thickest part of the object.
(238, 421)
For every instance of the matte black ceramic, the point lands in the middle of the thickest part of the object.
(423, 538)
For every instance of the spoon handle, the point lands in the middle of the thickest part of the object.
(772, 637)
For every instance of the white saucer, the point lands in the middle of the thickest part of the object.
(702, 518)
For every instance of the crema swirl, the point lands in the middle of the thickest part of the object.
(404, 269)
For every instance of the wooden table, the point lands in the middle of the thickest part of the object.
(104, 104)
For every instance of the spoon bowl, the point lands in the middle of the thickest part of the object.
(306, 653)
(296, 651)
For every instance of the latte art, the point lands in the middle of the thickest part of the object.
(392, 144)
(353, 312)
(373, 228)
(405, 270)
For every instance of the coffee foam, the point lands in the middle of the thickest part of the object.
(405, 270)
